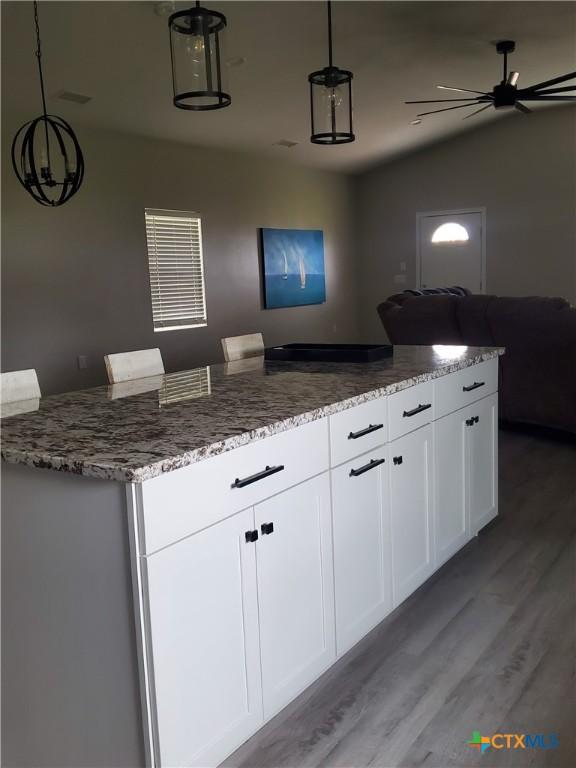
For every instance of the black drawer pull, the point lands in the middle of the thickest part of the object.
(370, 428)
(420, 408)
(267, 528)
(398, 460)
(251, 536)
(258, 476)
(469, 422)
(476, 385)
(366, 467)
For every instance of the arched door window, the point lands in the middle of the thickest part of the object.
(450, 232)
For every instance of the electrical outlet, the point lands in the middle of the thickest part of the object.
(400, 279)
(82, 362)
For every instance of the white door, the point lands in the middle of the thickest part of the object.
(295, 590)
(450, 248)
(411, 505)
(451, 529)
(482, 462)
(205, 659)
(361, 528)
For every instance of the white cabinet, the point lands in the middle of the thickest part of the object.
(242, 610)
(466, 479)
(362, 555)
(411, 508)
(482, 462)
(451, 528)
(203, 643)
(295, 590)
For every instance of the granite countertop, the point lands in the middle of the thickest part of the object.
(138, 430)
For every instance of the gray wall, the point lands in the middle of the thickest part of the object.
(522, 169)
(70, 686)
(75, 279)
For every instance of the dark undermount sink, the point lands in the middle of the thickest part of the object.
(329, 353)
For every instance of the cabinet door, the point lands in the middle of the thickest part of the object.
(482, 462)
(361, 529)
(411, 502)
(204, 644)
(451, 529)
(295, 590)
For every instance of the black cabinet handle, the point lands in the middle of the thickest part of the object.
(473, 420)
(251, 536)
(476, 419)
(258, 476)
(469, 422)
(370, 428)
(267, 528)
(420, 408)
(476, 385)
(398, 460)
(366, 467)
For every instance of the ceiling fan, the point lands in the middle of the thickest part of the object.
(506, 94)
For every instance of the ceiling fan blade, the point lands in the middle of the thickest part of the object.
(537, 97)
(446, 109)
(437, 101)
(463, 90)
(522, 108)
(477, 111)
(551, 91)
(512, 78)
(546, 83)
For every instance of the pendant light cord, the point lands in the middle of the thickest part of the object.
(329, 33)
(40, 74)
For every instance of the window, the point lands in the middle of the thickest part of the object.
(176, 268)
(451, 232)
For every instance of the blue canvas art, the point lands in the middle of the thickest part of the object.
(293, 262)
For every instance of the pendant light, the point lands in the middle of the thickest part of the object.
(331, 100)
(196, 48)
(46, 156)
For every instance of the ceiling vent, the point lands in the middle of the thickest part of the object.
(77, 98)
(285, 143)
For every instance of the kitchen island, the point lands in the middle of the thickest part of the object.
(209, 542)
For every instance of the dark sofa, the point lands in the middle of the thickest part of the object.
(538, 371)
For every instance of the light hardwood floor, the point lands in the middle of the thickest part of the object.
(488, 645)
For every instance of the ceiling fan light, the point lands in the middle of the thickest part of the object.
(513, 78)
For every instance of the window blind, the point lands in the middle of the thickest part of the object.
(176, 269)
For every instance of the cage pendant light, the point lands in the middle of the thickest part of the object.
(196, 47)
(331, 100)
(46, 155)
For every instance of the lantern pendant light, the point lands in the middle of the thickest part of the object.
(196, 48)
(331, 100)
(46, 156)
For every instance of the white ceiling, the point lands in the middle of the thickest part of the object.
(117, 52)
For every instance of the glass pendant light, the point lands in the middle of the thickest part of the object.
(196, 48)
(331, 100)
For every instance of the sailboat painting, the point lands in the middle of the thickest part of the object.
(293, 266)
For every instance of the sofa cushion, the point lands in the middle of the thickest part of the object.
(422, 320)
(538, 371)
(473, 320)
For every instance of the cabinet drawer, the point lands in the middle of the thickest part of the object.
(357, 430)
(182, 502)
(461, 388)
(410, 408)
